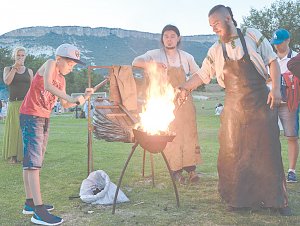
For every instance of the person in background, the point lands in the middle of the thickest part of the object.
(1, 105)
(48, 84)
(57, 107)
(3, 110)
(86, 109)
(18, 78)
(289, 118)
(218, 109)
(250, 165)
(183, 153)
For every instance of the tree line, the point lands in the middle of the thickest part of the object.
(281, 14)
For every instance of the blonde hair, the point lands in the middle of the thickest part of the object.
(16, 50)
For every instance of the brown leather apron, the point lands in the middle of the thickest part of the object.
(249, 163)
(184, 150)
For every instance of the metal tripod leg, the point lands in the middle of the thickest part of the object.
(152, 169)
(152, 166)
(122, 174)
(174, 184)
(144, 159)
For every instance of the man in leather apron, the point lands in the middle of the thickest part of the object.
(250, 166)
(183, 153)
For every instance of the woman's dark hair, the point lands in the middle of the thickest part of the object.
(220, 8)
(169, 27)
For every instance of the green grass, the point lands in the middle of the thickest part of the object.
(65, 167)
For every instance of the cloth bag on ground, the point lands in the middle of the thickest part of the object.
(98, 189)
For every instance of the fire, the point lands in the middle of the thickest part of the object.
(158, 112)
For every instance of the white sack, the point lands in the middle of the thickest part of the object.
(98, 181)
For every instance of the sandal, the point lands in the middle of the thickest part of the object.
(193, 177)
(179, 178)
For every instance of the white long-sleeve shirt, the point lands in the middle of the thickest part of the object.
(260, 51)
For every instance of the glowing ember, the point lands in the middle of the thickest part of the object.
(158, 111)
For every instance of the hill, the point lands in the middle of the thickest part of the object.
(99, 46)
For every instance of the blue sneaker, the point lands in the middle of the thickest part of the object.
(291, 177)
(30, 210)
(43, 217)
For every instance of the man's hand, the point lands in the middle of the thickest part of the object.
(274, 98)
(161, 66)
(80, 100)
(181, 95)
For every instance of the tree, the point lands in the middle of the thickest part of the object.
(5, 60)
(281, 14)
(77, 81)
(34, 62)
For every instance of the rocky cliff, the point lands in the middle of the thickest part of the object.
(99, 46)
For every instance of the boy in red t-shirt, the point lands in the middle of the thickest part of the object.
(48, 84)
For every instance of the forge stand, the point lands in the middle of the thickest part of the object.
(123, 172)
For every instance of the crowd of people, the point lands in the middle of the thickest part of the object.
(250, 167)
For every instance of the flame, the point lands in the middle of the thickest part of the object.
(158, 112)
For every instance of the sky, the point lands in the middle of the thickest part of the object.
(190, 16)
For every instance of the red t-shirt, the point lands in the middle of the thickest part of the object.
(38, 101)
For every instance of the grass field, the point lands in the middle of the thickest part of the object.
(65, 167)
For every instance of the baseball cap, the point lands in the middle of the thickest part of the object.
(280, 36)
(69, 51)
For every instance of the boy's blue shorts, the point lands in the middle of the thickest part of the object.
(35, 131)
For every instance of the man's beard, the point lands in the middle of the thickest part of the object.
(227, 36)
(170, 47)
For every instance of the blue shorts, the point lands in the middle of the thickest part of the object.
(289, 121)
(35, 131)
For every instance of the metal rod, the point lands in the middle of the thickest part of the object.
(122, 174)
(89, 144)
(116, 115)
(133, 119)
(98, 86)
(174, 184)
(93, 67)
(143, 167)
(182, 102)
(107, 106)
(152, 169)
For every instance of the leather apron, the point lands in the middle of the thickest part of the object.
(184, 150)
(249, 163)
